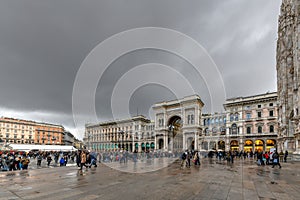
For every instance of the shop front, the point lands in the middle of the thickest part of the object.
(259, 145)
(234, 145)
(248, 146)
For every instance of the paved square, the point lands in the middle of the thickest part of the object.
(212, 180)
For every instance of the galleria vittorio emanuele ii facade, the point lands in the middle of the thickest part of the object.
(248, 124)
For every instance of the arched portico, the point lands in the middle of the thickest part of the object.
(178, 123)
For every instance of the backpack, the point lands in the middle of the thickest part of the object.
(183, 157)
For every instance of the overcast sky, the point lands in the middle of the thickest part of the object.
(43, 43)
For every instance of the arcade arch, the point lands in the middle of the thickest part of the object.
(175, 137)
(270, 143)
(248, 146)
(259, 145)
(234, 145)
(221, 145)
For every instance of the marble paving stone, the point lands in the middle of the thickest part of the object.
(213, 180)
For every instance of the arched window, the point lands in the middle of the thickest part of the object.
(223, 130)
(259, 129)
(248, 130)
(234, 129)
(208, 121)
(271, 129)
(214, 130)
(212, 121)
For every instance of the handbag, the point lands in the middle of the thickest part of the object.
(275, 160)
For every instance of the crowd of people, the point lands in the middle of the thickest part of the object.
(189, 156)
(262, 158)
(19, 160)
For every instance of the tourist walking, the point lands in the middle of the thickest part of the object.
(49, 159)
(197, 158)
(183, 159)
(286, 155)
(78, 158)
(276, 159)
(83, 160)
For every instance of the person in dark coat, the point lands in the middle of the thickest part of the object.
(286, 155)
(276, 159)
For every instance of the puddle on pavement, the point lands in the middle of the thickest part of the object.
(25, 188)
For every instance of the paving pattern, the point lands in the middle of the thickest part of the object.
(212, 180)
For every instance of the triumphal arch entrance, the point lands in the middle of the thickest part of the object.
(178, 124)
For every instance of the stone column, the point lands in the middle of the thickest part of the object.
(241, 145)
(165, 142)
(227, 144)
(196, 141)
(183, 142)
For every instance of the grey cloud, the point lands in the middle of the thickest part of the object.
(43, 43)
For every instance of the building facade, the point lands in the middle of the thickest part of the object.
(248, 124)
(214, 132)
(135, 134)
(177, 126)
(251, 123)
(50, 134)
(19, 131)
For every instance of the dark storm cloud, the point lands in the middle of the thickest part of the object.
(43, 43)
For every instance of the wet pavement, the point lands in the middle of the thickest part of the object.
(212, 180)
